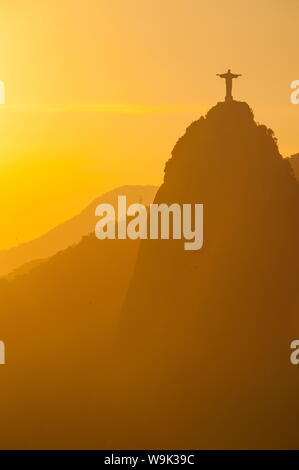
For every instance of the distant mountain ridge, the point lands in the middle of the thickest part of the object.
(70, 232)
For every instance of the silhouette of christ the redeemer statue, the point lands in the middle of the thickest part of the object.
(229, 83)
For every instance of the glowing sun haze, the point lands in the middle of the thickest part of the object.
(98, 92)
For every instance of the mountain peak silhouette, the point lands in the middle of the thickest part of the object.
(231, 109)
(219, 320)
(224, 151)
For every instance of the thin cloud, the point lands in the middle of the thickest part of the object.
(103, 108)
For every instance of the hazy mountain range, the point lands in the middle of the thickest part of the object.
(129, 344)
(27, 255)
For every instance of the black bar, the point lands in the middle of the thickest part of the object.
(152, 458)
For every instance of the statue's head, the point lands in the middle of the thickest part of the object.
(228, 71)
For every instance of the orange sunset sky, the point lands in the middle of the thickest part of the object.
(98, 92)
